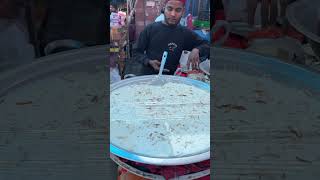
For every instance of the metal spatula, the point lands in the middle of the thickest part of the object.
(158, 80)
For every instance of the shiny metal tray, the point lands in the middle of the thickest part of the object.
(86, 60)
(263, 66)
(188, 159)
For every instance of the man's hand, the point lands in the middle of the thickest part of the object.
(194, 59)
(155, 64)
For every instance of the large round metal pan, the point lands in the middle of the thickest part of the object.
(255, 136)
(77, 60)
(261, 66)
(56, 140)
(187, 159)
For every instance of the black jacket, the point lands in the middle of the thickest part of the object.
(158, 37)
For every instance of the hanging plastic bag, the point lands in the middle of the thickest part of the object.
(114, 75)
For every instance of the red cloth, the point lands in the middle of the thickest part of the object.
(183, 74)
(234, 41)
(179, 72)
(275, 33)
(272, 33)
(169, 172)
(219, 15)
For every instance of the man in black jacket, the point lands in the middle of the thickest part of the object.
(169, 36)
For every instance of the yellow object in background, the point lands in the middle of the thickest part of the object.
(114, 50)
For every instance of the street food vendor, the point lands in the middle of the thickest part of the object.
(168, 35)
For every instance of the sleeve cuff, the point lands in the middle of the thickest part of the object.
(146, 62)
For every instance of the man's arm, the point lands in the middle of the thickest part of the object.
(141, 47)
(200, 44)
(199, 48)
(139, 52)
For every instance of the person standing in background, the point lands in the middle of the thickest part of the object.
(115, 18)
(113, 8)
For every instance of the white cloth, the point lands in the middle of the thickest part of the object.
(115, 20)
(159, 18)
(114, 75)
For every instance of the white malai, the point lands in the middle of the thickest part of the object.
(160, 121)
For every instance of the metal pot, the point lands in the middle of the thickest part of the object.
(58, 139)
(83, 59)
(188, 159)
(262, 66)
